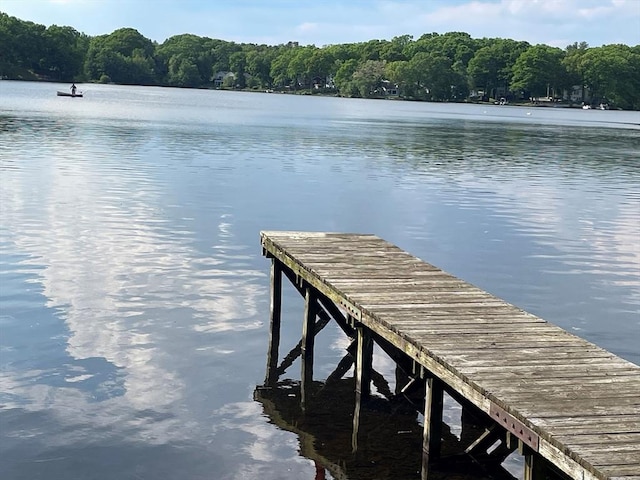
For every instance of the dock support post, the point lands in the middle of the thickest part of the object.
(433, 405)
(473, 426)
(308, 338)
(364, 366)
(534, 468)
(364, 361)
(274, 321)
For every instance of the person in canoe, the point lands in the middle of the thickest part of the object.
(73, 89)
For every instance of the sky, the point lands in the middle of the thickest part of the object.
(552, 22)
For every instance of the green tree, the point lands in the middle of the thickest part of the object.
(395, 50)
(22, 46)
(434, 76)
(539, 70)
(456, 46)
(183, 71)
(572, 62)
(63, 55)
(367, 79)
(297, 69)
(280, 66)
(491, 66)
(344, 78)
(185, 60)
(222, 51)
(612, 72)
(238, 65)
(403, 74)
(370, 50)
(259, 64)
(320, 64)
(343, 52)
(125, 56)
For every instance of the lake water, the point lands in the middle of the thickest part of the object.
(135, 300)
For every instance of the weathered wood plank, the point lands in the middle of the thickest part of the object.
(595, 425)
(609, 455)
(391, 297)
(585, 382)
(598, 440)
(603, 407)
(577, 369)
(470, 355)
(437, 282)
(540, 356)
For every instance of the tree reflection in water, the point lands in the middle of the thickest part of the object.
(386, 443)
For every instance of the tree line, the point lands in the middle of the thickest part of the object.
(435, 67)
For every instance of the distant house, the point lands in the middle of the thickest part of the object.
(476, 94)
(577, 94)
(390, 90)
(330, 82)
(318, 83)
(223, 78)
(220, 77)
(500, 92)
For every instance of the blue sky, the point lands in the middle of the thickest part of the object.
(553, 22)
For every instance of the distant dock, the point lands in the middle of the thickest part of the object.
(565, 404)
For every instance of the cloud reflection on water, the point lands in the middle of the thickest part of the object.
(128, 284)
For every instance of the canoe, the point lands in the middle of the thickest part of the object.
(67, 94)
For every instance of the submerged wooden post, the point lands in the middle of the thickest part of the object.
(364, 361)
(433, 403)
(274, 322)
(356, 424)
(308, 338)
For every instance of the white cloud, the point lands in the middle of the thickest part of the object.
(307, 27)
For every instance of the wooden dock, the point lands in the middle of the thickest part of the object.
(563, 402)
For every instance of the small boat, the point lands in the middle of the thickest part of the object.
(67, 94)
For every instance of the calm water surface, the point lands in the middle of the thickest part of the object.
(134, 298)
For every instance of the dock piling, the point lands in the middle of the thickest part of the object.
(308, 340)
(364, 361)
(274, 322)
(432, 439)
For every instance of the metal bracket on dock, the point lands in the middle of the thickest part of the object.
(515, 426)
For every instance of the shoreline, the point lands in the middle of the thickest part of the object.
(310, 93)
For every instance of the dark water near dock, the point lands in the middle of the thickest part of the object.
(134, 300)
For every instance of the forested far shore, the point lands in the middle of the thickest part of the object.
(449, 67)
